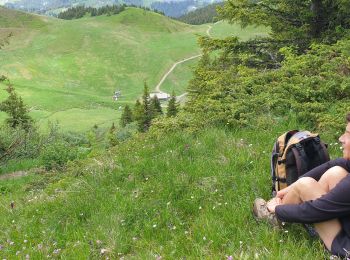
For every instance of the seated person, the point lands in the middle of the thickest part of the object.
(322, 197)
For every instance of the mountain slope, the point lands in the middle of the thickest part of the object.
(70, 69)
(11, 18)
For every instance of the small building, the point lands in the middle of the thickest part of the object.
(162, 96)
(116, 95)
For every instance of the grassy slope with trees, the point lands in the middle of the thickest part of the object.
(189, 195)
(70, 69)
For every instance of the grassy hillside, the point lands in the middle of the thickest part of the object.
(223, 29)
(175, 196)
(73, 67)
(178, 80)
(69, 70)
(10, 18)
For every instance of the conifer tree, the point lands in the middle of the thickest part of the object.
(137, 111)
(146, 119)
(156, 107)
(126, 117)
(172, 106)
(112, 138)
(17, 111)
(296, 23)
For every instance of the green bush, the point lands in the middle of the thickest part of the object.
(313, 87)
(127, 132)
(56, 155)
(18, 143)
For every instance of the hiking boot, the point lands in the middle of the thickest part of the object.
(261, 212)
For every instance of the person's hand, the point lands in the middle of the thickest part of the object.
(280, 194)
(272, 203)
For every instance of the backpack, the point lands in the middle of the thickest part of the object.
(295, 153)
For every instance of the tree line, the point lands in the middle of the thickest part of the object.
(80, 11)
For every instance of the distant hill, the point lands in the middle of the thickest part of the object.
(172, 8)
(202, 15)
(11, 18)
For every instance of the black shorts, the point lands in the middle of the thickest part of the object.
(341, 244)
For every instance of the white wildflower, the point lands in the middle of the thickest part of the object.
(56, 251)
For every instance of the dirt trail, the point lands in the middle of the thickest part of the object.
(208, 31)
(13, 175)
(179, 98)
(172, 68)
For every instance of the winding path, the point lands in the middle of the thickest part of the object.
(157, 88)
(172, 68)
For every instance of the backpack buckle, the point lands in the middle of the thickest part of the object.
(317, 140)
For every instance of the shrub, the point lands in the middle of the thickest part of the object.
(127, 132)
(313, 87)
(56, 155)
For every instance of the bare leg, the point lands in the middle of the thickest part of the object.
(331, 177)
(309, 189)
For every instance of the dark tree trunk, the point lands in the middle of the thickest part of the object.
(318, 20)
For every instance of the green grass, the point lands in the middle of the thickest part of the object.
(66, 69)
(18, 165)
(179, 78)
(16, 19)
(67, 65)
(176, 196)
(223, 29)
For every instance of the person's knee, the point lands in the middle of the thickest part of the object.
(305, 183)
(332, 176)
(309, 189)
(335, 172)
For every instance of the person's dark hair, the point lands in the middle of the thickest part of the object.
(348, 117)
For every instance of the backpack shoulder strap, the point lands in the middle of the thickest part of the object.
(296, 138)
(300, 159)
(283, 140)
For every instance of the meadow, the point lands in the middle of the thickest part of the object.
(75, 66)
(169, 197)
(67, 71)
(178, 80)
(171, 193)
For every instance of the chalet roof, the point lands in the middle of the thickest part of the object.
(160, 95)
